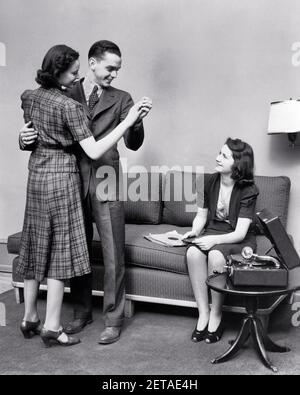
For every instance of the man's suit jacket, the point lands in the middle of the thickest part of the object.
(110, 110)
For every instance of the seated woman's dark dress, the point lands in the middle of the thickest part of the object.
(242, 205)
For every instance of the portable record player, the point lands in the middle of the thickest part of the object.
(249, 269)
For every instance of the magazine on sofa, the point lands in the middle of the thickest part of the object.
(171, 239)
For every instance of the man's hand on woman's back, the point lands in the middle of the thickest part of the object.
(28, 134)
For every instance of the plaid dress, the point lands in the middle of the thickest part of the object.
(53, 242)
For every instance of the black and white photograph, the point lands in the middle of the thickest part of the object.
(149, 190)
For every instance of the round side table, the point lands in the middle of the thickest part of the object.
(251, 324)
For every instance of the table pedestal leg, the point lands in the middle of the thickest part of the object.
(231, 342)
(252, 325)
(238, 343)
(268, 343)
(258, 337)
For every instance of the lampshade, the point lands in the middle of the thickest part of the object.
(285, 118)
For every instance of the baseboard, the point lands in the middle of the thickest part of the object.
(5, 269)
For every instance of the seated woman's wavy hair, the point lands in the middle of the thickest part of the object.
(243, 167)
(56, 61)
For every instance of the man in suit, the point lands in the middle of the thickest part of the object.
(105, 107)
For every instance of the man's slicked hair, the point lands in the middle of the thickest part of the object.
(99, 48)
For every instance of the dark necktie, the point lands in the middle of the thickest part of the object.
(93, 99)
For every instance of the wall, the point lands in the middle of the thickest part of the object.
(211, 66)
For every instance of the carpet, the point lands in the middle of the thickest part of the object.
(156, 341)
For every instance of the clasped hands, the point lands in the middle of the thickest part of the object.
(140, 109)
(204, 242)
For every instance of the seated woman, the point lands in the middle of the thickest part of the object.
(225, 225)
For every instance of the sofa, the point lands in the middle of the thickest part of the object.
(156, 273)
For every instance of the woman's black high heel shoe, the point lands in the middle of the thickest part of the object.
(214, 337)
(29, 329)
(198, 336)
(50, 337)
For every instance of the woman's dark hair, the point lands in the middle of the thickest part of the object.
(99, 48)
(243, 166)
(56, 61)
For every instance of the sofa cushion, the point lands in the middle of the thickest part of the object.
(182, 191)
(143, 203)
(273, 195)
(13, 243)
(264, 245)
(142, 252)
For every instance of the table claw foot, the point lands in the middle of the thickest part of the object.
(237, 344)
(259, 345)
(273, 347)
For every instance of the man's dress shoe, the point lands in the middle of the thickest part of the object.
(30, 329)
(110, 335)
(77, 325)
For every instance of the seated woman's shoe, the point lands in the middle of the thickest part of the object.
(29, 329)
(214, 337)
(51, 337)
(198, 336)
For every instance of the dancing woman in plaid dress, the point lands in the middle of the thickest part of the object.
(53, 244)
